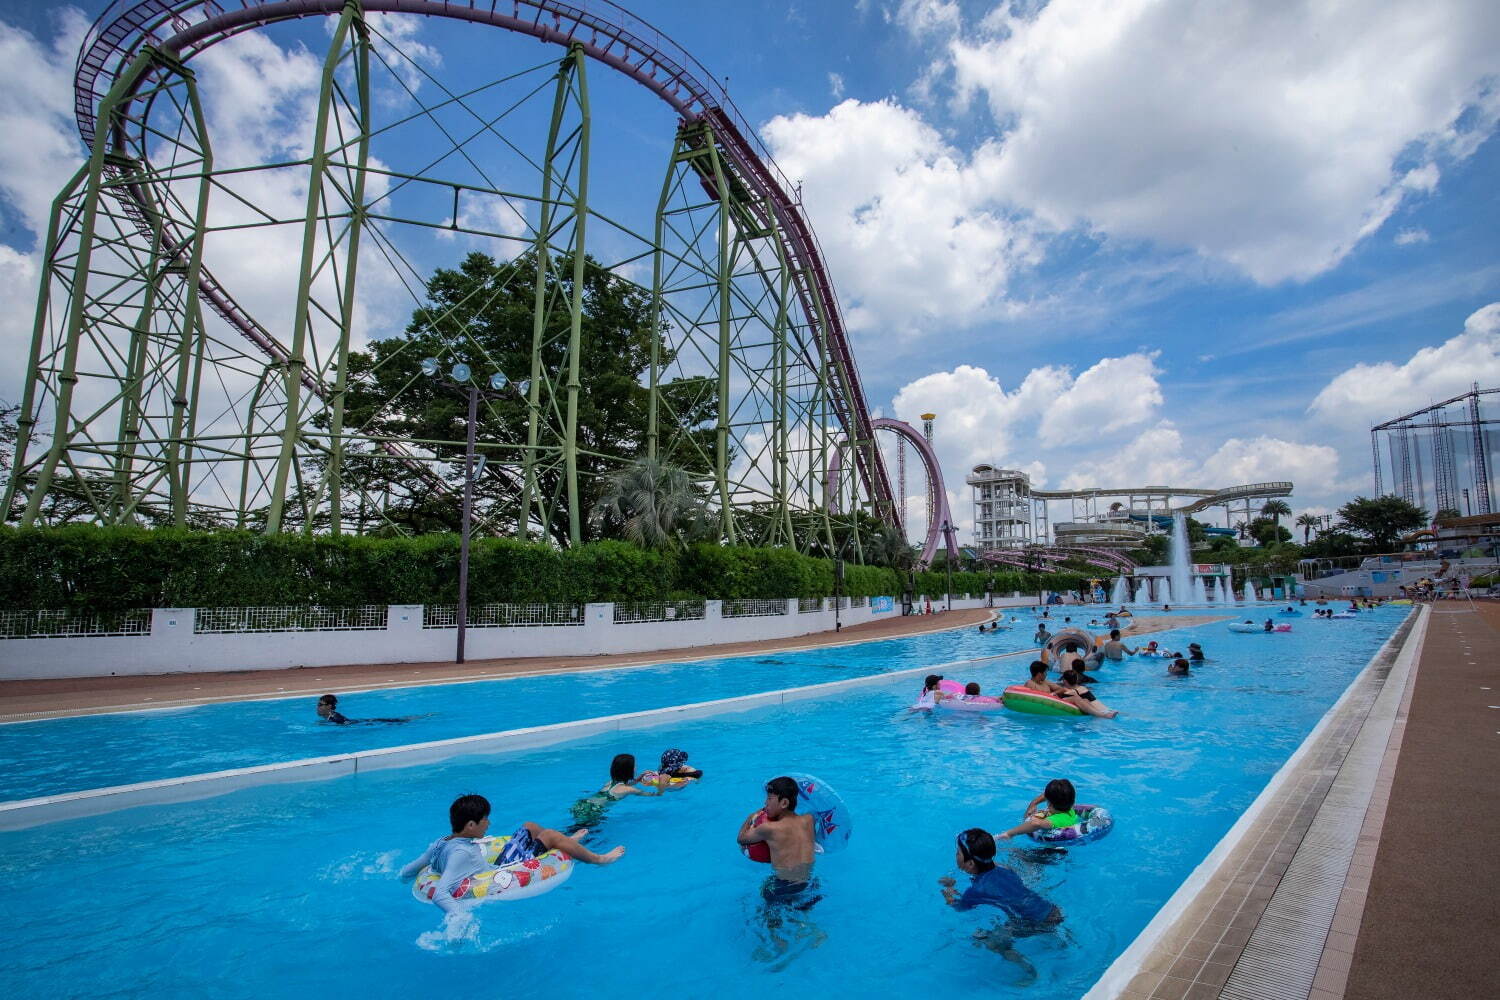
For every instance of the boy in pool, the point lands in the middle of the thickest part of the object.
(328, 711)
(1178, 668)
(1026, 912)
(790, 889)
(1058, 812)
(459, 855)
(1039, 682)
(1195, 652)
(1114, 649)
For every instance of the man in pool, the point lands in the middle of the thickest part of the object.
(790, 890)
(1042, 635)
(1026, 912)
(459, 855)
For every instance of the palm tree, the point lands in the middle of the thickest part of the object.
(1307, 522)
(1243, 528)
(1274, 509)
(654, 505)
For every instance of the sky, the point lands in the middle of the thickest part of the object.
(1109, 242)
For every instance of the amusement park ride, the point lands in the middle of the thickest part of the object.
(158, 392)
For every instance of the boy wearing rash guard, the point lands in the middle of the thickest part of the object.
(1059, 813)
(459, 855)
(1027, 913)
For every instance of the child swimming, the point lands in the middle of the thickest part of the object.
(1058, 812)
(459, 855)
(1026, 912)
(674, 765)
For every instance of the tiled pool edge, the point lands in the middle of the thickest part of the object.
(1196, 941)
(25, 813)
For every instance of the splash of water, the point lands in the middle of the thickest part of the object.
(1181, 555)
(1121, 592)
(1250, 595)
(1142, 594)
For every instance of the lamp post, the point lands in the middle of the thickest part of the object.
(948, 567)
(460, 377)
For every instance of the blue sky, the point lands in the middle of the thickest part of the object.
(1108, 241)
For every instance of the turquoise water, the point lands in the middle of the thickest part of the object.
(269, 890)
(69, 755)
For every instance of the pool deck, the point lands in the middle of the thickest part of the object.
(24, 700)
(1367, 872)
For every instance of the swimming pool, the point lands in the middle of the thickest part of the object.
(68, 755)
(277, 888)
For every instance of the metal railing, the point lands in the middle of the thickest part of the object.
(73, 625)
(752, 608)
(503, 615)
(366, 617)
(806, 605)
(632, 612)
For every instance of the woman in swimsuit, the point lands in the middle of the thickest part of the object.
(589, 811)
(1076, 693)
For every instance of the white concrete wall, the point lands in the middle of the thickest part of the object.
(173, 646)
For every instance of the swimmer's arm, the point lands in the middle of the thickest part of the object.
(750, 834)
(1032, 805)
(412, 870)
(655, 789)
(1026, 827)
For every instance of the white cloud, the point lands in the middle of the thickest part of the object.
(1366, 394)
(1267, 459)
(1113, 394)
(926, 18)
(1410, 235)
(902, 217)
(1272, 136)
(978, 421)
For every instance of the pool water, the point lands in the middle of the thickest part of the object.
(281, 888)
(68, 755)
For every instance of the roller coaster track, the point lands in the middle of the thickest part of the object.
(605, 32)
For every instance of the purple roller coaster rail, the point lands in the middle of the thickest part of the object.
(607, 33)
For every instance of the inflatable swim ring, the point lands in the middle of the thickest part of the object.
(1290, 613)
(1093, 822)
(1283, 628)
(520, 880)
(654, 778)
(1342, 614)
(1076, 636)
(832, 824)
(1246, 627)
(976, 703)
(1019, 698)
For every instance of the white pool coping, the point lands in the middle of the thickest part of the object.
(1127, 965)
(698, 654)
(25, 813)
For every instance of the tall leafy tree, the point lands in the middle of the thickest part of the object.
(1276, 510)
(1307, 522)
(1382, 519)
(481, 314)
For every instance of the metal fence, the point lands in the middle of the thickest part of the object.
(806, 605)
(366, 617)
(753, 608)
(502, 615)
(631, 612)
(70, 625)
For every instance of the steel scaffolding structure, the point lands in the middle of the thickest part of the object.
(1460, 462)
(155, 395)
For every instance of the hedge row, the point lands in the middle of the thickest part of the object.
(88, 568)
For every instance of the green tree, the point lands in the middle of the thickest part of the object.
(481, 313)
(1446, 514)
(1276, 510)
(653, 505)
(1266, 531)
(8, 432)
(1307, 522)
(1195, 533)
(1382, 519)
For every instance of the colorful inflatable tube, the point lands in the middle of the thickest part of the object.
(654, 778)
(1093, 822)
(1019, 698)
(520, 880)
